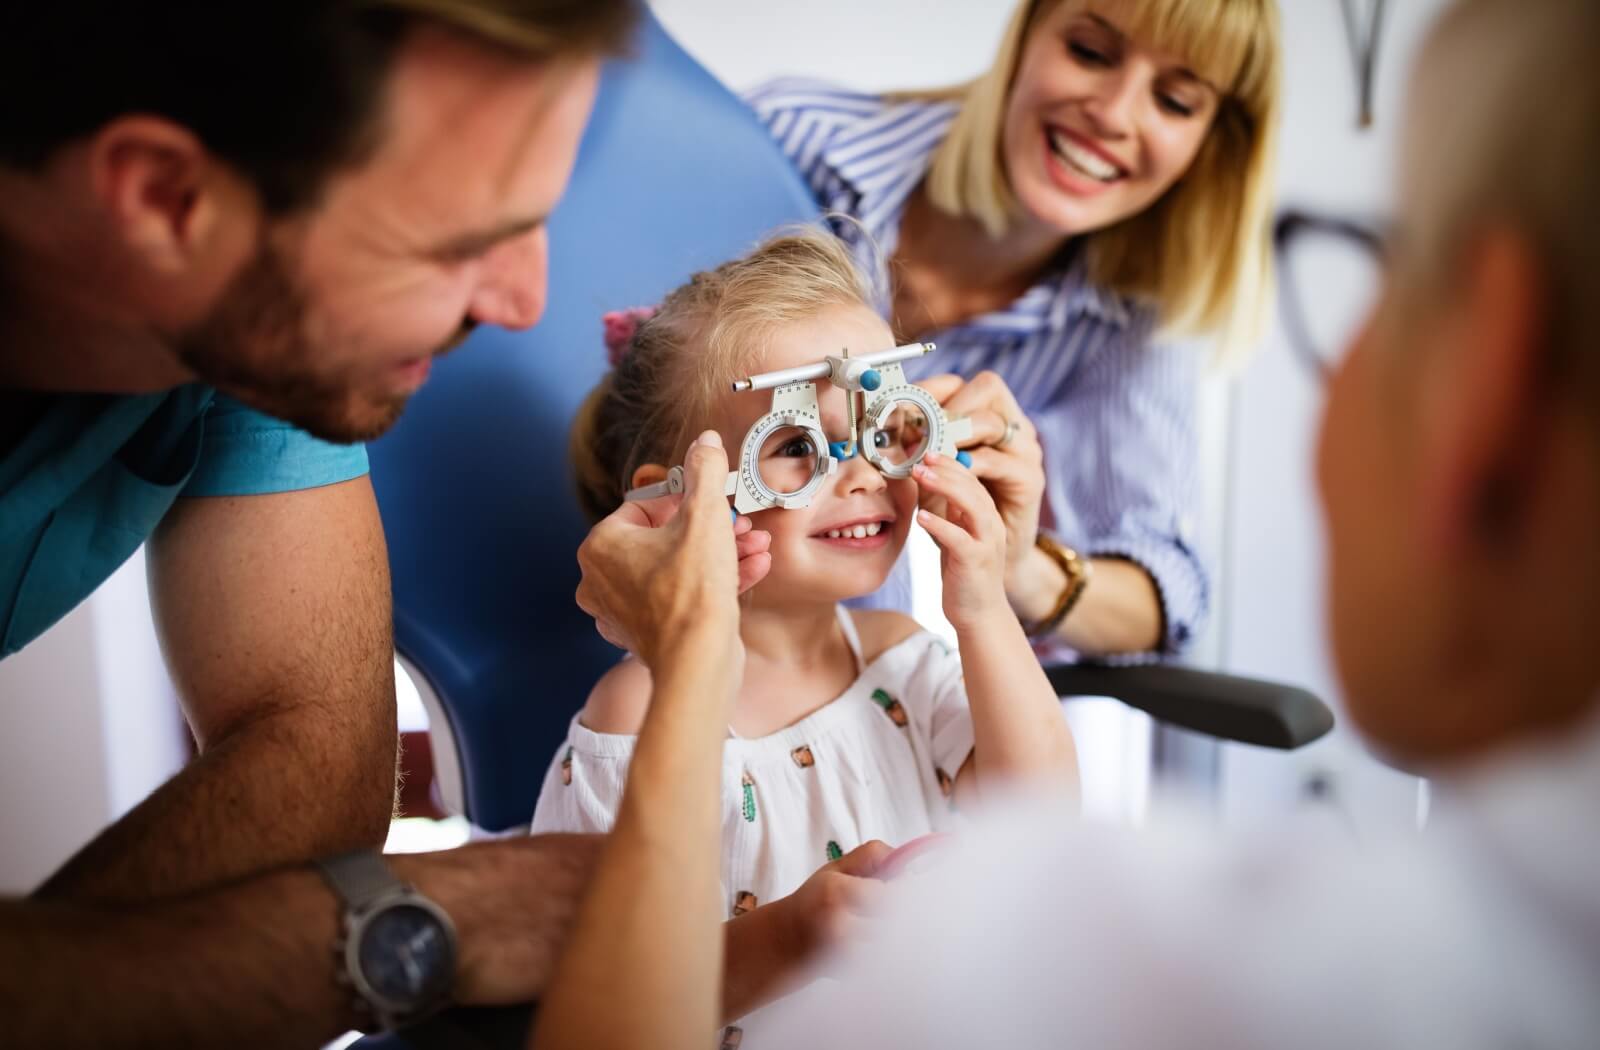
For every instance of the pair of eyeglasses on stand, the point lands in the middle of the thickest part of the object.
(1330, 276)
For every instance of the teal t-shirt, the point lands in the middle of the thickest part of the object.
(93, 474)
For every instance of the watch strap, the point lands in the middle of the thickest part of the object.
(1075, 568)
(360, 878)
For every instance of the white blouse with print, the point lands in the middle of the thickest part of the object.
(875, 763)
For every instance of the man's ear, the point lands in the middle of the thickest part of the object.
(171, 200)
(648, 474)
(1485, 415)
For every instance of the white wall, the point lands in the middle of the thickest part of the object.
(89, 725)
(874, 46)
(144, 739)
(53, 780)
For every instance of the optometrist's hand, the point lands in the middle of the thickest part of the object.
(829, 907)
(657, 569)
(1013, 471)
(771, 948)
(971, 536)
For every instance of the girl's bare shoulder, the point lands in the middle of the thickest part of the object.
(882, 630)
(618, 702)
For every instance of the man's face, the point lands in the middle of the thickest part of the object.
(333, 324)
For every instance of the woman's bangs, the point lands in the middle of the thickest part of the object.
(1215, 37)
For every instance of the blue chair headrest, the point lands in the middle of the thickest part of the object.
(674, 174)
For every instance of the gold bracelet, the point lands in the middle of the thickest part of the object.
(1077, 570)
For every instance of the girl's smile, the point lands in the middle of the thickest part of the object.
(868, 534)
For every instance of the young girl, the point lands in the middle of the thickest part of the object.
(848, 727)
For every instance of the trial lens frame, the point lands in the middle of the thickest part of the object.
(877, 376)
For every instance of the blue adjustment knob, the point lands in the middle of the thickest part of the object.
(871, 379)
(965, 459)
(836, 449)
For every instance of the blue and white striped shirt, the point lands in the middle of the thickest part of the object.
(1115, 412)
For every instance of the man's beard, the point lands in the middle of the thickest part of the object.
(255, 346)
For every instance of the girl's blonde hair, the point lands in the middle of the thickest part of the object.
(681, 359)
(1201, 254)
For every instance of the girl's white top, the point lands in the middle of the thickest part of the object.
(874, 763)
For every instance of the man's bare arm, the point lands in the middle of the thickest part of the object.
(275, 618)
(251, 964)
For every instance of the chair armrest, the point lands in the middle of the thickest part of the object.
(1246, 710)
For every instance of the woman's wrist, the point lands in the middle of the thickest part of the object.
(1077, 571)
(1033, 585)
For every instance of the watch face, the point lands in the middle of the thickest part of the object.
(406, 956)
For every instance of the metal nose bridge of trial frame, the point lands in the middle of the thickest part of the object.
(795, 407)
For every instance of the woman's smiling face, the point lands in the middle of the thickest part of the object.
(1099, 125)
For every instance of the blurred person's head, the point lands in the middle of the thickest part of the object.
(299, 202)
(1460, 458)
(1146, 127)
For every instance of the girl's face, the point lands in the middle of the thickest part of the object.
(816, 552)
(1098, 126)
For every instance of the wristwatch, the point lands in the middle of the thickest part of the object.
(396, 948)
(1077, 570)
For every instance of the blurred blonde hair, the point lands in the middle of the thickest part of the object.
(1200, 255)
(1503, 127)
(704, 335)
(538, 29)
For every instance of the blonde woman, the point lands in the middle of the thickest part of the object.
(1055, 225)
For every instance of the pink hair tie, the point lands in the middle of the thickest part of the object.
(620, 328)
